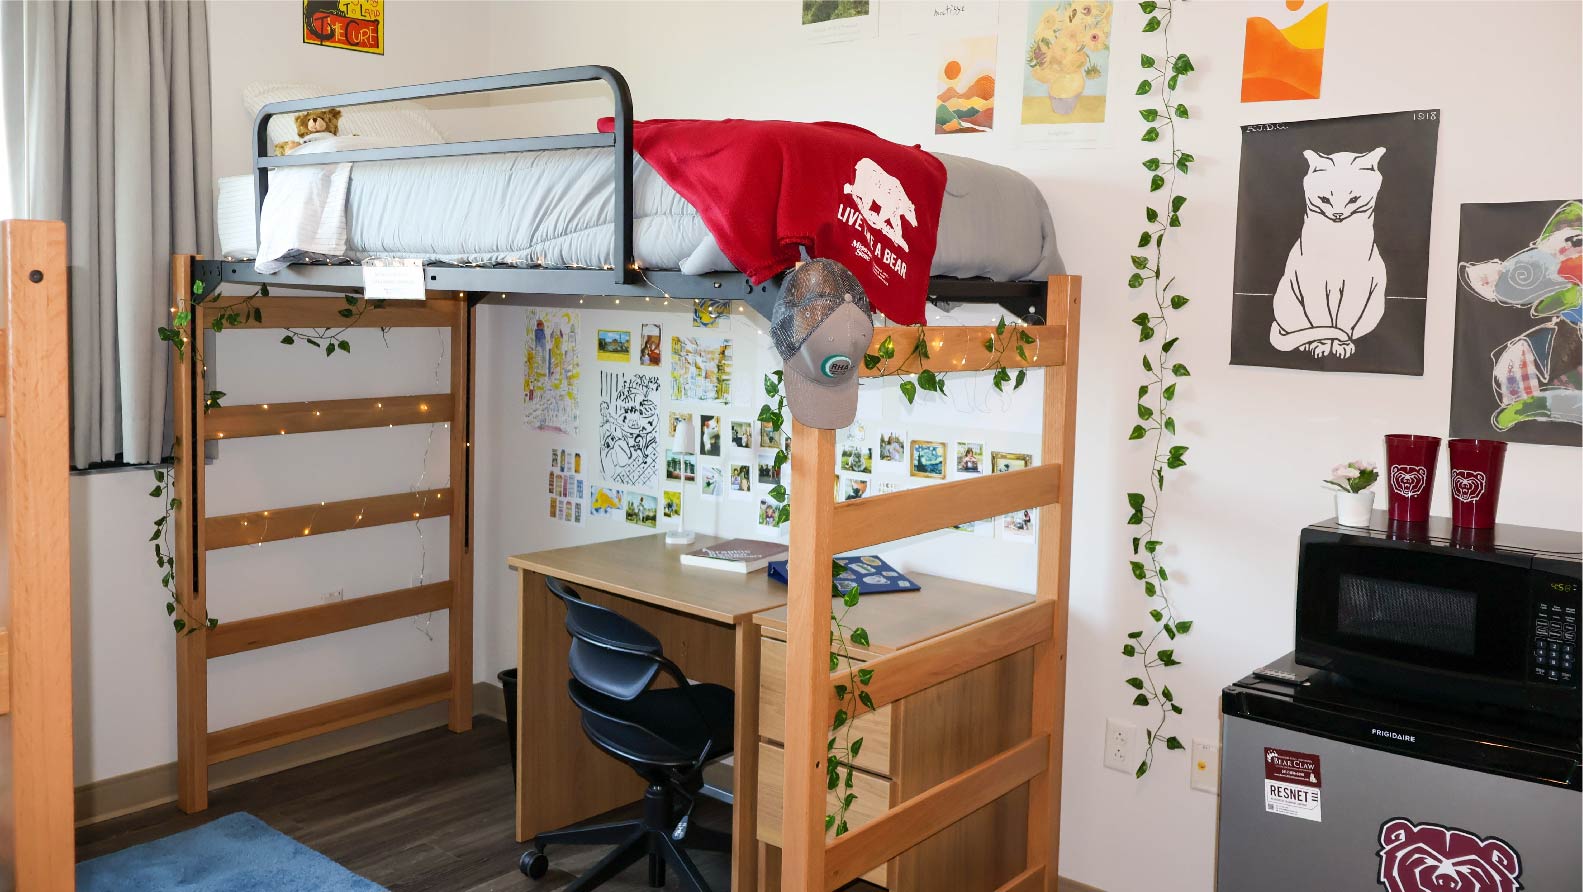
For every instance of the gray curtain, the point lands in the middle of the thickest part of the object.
(114, 139)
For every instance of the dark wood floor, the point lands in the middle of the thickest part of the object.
(428, 813)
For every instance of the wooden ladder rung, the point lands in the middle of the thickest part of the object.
(254, 527)
(960, 348)
(926, 664)
(942, 805)
(325, 312)
(861, 523)
(279, 730)
(1030, 880)
(275, 419)
(242, 635)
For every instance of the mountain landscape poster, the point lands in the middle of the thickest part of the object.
(1283, 54)
(965, 86)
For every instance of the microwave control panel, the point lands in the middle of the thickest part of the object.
(1555, 642)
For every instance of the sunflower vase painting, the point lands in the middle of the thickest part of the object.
(1067, 63)
(965, 88)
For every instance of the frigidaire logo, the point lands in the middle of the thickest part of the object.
(1405, 738)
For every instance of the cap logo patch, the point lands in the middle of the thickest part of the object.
(836, 365)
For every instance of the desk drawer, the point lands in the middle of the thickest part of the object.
(873, 800)
(875, 728)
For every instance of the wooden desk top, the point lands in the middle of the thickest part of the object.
(903, 619)
(645, 569)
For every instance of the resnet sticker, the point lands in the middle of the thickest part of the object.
(1292, 783)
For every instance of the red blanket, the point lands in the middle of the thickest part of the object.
(764, 188)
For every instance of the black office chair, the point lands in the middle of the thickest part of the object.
(664, 734)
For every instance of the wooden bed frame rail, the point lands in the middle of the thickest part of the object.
(35, 643)
(198, 533)
(822, 528)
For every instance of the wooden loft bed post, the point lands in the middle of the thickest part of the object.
(822, 528)
(198, 533)
(35, 651)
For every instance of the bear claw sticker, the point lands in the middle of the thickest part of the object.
(1430, 858)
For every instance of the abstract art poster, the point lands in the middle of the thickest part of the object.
(1332, 262)
(549, 371)
(965, 86)
(1283, 51)
(1066, 66)
(701, 369)
(606, 501)
(1517, 363)
(629, 428)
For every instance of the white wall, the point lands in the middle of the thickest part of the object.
(1261, 438)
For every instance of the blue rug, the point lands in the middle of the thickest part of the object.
(237, 853)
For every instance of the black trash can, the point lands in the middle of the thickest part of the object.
(508, 683)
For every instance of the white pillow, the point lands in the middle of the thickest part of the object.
(393, 123)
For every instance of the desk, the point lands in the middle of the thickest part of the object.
(702, 617)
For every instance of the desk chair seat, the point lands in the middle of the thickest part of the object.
(666, 735)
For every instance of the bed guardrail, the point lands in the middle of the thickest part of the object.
(620, 138)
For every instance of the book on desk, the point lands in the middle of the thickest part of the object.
(868, 572)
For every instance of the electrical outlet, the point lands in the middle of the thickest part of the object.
(1205, 769)
(1120, 746)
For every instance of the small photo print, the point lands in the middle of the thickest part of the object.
(709, 435)
(769, 438)
(769, 511)
(892, 447)
(742, 434)
(649, 344)
(615, 346)
(606, 501)
(553, 485)
(768, 472)
(673, 503)
(681, 466)
(643, 510)
(712, 479)
(1009, 461)
(678, 418)
(741, 478)
(857, 458)
(1019, 525)
(555, 505)
(852, 488)
(969, 457)
(928, 459)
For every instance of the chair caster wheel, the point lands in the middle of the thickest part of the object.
(534, 864)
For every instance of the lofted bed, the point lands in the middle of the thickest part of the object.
(618, 250)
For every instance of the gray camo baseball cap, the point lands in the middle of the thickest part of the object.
(822, 325)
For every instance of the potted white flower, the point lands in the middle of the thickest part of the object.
(1354, 499)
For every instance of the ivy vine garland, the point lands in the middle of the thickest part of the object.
(1156, 423)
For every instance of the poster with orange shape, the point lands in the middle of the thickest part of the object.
(965, 86)
(1283, 56)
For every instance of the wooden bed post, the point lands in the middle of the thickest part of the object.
(38, 531)
(461, 546)
(192, 669)
(808, 658)
(1055, 565)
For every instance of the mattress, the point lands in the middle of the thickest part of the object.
(555, 209)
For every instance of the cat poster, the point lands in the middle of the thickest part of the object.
(1332, 256)
(1517, 363)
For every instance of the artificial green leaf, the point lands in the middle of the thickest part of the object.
(1166, 347)
(1138, 432)
(864, 676)
(1166, 693)
(840, 719)
(179, 624)
(1145, 333)
(1177, 202)
(1128, 650)
(840, 691)
(1135, 499)
(1000, 326)
(1170, 425)
(1148, 6)
(1171, 743)
(1147, 61)
(854, 748)
(197, 286)
(1149, 114)
(909, 390)
(344, 313)
(1149, 589)
(1022, 375)
(1136, 682)
(1180, 370)
(1182, 64)
(1174, 222)
(1151, 135)
(1138, 570)
(1135, 518)
(1181, 166)
(1180, 111)
(1147, 365)
(213, 622)
(170, 607)
(1169, 392)
(1144, 412)
(288, 340)
(1156, 615)
(1141, 700)
(1176, 709)
(1153, 24)
(1143, 390)
(887, 348)
(1152, 215)
(1170, 82)
(1144, 86)
(1140, 262)
(865, 698)
(1152, 164)
(1156, 183)
(1178, 301)
(1184, 626)
(859, 636)
(1144, 239)
(1135, 280)
(850, 598)
(1134, 634)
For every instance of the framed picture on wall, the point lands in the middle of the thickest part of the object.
(928, 459)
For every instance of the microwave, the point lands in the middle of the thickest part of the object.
(1478, 619)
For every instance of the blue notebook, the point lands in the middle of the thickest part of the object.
(871, 575)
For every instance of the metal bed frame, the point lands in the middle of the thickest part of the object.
(517, 285)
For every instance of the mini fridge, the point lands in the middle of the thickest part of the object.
(1326, 788)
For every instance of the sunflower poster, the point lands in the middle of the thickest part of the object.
(1066, 63)
(965, 86)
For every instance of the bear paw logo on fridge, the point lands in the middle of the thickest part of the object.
(880, 201)
(1433, 858)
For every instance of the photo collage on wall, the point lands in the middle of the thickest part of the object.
(1332, 248)
(568, 486)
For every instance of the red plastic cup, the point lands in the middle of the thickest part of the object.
(1475, 482)
(1410, 475)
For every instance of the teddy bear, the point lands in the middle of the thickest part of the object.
(315, 123)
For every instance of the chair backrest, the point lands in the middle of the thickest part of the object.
(610, 653)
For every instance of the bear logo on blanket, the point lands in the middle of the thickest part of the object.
(870, 186)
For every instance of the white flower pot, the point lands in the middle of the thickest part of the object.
(1354, 509)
